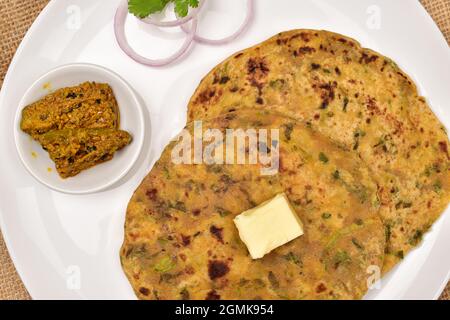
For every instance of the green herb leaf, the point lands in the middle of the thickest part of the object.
(182, 6)
(162, 241)
(178, 205)
(326, 215)
(164, 265)
(292, 257)
(273, 280)
(346, 102)
(288, 128)
(222, 212)
(184, 294)
(323, 157)
(416, 238)
(400, 254)
(357, 244)
(388, 232)
(336, 175)
(144, 8)
(437, 186)
(277, 84)
(341, 258)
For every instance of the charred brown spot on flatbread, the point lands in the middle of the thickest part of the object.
(217, 269)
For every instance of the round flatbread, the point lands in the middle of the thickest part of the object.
(181, 241)
(359, 99)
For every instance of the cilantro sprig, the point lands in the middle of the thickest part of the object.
(145, 8)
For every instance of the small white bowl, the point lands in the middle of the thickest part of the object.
(102, 176)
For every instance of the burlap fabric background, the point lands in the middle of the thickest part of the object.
(16, 17)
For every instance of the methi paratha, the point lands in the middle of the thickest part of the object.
(181, 242)
(357, 98)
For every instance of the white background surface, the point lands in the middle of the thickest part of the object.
(55, 238)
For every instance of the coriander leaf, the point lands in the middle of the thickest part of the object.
(194, 3)
(165, 265)
(144, 8)
(323, 157)
(326, 215)
(182, 6)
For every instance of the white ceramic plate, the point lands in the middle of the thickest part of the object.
(105, 175)
(67, 246)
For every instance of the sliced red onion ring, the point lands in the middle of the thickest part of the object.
(179, 21)
(248, 19)
(119, 30)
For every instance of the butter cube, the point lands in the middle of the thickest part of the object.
(268, 226)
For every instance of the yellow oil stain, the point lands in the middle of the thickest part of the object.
(47, 86)
(34, 154)
(49, 170)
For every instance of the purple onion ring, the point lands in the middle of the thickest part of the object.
(242, 28)
(119, 30)
(179, 21)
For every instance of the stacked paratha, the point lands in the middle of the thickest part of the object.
(359, 99)
(181, 241)
(363, 160)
